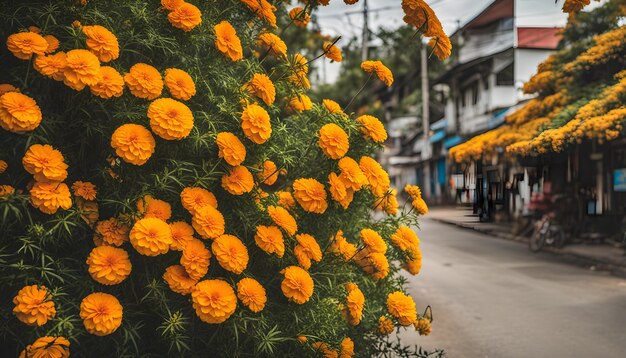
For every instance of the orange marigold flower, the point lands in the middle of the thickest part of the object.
(300, 80)
(574, 5)
(355, 301)
(441, 45)
(171, 5)
(333, 141)
(272, 44)
(150, 207)
(144, 81)
(208, 222)
(299, 103)
(178, 280)
(285, 199)
(185, 17)
(214, 300)
(18, 112)
(332, 52)
(269, 174)
(111, 232)
(376, 176)
(373, 241)
(45, 163)
(133, 143)
(388, 203)
(51, 66)
(405, 238)
(402, 307)
(310, 194)
(111, 83)
(49, 197)
(102, 42)
(181, 234)
(261, 86)
(372, 128)
(3, 166)
(420, 206)
(381, 71)
(297, 285)
(340, 246)
(325, 350)
(351, 174)
(82, 68)
(195, 259)
(47, 347)
(231, 253)
(385, 325)
(5, 87)
(414, 265)
(347, 348)
(255, 122)
(307, 250)
(84, 189)
(34, 305)
(170, 119)
(377, 265)
(338, 191)
(227, 42)
(419, 14)
(180, 84)
(270, 239)
(251, 294)
(332, 106)
(238, 180)
(151, 236)
(282, 218)
(101, 313)
(53, 43)
(230, 148)
(108, 265)
(24, 44)
(299, 17)
(263, 9)
(194, 198)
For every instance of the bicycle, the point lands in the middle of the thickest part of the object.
(547, 232)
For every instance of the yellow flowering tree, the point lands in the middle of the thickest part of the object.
(168, 188)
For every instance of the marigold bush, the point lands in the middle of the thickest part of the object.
(168, 188)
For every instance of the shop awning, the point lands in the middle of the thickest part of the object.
(452, 141)
(439, 135)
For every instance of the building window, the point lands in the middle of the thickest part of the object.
(505, 77)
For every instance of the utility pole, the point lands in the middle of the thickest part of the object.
(366, 32)
(425, 120)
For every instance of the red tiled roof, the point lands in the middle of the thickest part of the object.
(538, 37)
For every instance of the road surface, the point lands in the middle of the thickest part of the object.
(494, 298)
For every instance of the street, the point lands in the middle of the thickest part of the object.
(494, 298)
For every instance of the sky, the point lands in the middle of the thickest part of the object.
(347, 20)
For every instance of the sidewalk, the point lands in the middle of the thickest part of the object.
(594, 256)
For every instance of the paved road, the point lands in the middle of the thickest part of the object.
(493, 298)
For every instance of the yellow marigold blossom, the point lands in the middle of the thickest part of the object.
(339, 192)
(111, 232)
(213, 300)
(170, 119)
(332, 52)
(373, 241)
(144, 81)
(282, 218)
(230, 148)
(227, 42)
(3, 166)
(238, 180)
(422, 326)
(574, 5)
(53, 43)
(385, 325)
(49, 197)
(18, 112)
(325, 350)
(355, 301)
(181, 234)
(108, 265)
(307, 250)
(270, 239)
(255, 122)
(405, 238)
(333, 140)
(310, 194)
(251, 294)
(420, 206)
(402, 307)
(422, 17)
(297, 284)
(376, 176)
(441, 45)
(150, 207)
(372, 128)
(299, 17)
(180, 84)
(269, 174)
(151, 236)
(88, 210)
(45, 163)
(24, 44)
(51, 66)
(414, 265)
(82, 68)
(272, 44)
(84, 189)
(263, 9)
(340, 246)
(379, 265)
(332, 106)
(194, 198)
(133, 143)
(33, 305)
(208, 222)
(178, 280)
(171, 5)
(347, 348)
(351, 174)
(111, 83)
(299, 103)
(5, 87)
(230, 253)
(285, 199)
(101, 313)
(381, 71)
(195, 259)
(47, 347)
(185, 17)
(302, 339)
(414, 191)
(300, 80)
(388, 203)
(102, 42)
(261, 86)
